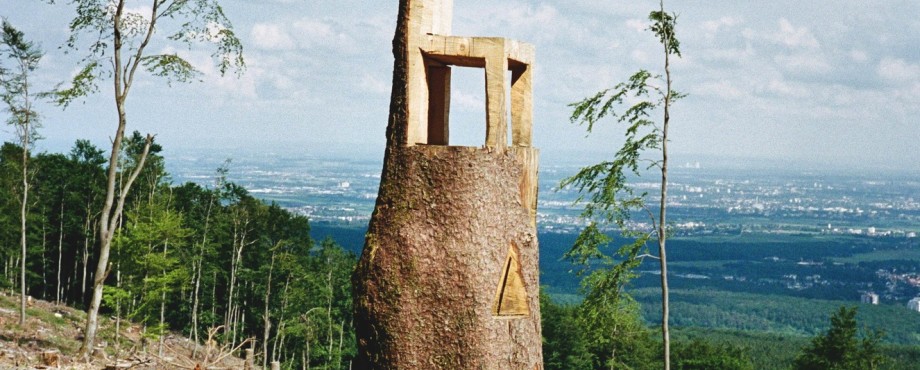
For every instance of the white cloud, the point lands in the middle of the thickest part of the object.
(790, 75)
(733, 55)
(858, 56)
(639, 56)
(794, 37)
(637, 25)
(898, 71)
(712, 27)
(467, 102)
(525, 21)
(374, 85)
(803, 63)
(724, 89)
(228, 86)
(311, 33)
(271, 37)
(304, 34)
(786, 89)
(314, 29)
(542, 15)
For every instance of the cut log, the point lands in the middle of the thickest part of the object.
(449, 277)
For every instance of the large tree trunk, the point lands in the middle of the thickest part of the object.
(449, 251)
(449, 275)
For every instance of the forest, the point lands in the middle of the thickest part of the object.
(188, 257)
(109, 230)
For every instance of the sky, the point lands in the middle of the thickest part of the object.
(819, 84)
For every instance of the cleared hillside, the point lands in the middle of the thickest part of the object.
(53, 333)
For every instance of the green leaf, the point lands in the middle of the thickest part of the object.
(82, 85)
(663, 27)
(170, 66)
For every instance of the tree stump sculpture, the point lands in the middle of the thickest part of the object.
(449, 274)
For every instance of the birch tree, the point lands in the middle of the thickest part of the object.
(18, 95)
(118, 43)
(611, 199)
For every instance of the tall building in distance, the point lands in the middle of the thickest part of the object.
(914, 304)
(870, 298)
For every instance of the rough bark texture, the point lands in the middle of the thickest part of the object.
(427, 284)
(449, 275)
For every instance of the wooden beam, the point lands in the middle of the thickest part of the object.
(522, 106)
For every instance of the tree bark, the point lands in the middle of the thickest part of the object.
(278, 345)
(25, 135)
(449, 277)
(22, 215)
(662, 221)
(163, 305)
(44, 251)
(109, 219)
(434, 260)
(86, 243)
(198, 264)
(58, 292)
(266, 320)
(240, 230)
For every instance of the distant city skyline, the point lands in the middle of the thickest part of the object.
(811, 84)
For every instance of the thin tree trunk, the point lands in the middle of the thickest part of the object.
(613, 349)
(239, 242)
(278, 346)
(108, 225)
(232, 332)
(123, 77)
(13, 263)
(266, 320)
(117, 313)
(86, 243)
(338, 356)
(329, 318)
(23, 212)
(214, 295)
(228, 320)
(194, 332)
(58, 292)
(163, 303)
(198, 267)
(45, 285)
(662, 222)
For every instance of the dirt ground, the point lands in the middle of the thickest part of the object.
(53, 333)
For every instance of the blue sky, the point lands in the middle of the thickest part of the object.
(816, 83)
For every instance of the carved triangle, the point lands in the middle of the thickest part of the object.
(511, 296)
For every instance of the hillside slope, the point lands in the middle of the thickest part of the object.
(52, 336)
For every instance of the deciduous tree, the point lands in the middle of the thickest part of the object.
(611, 199)
(18, 96)
(118, 46)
